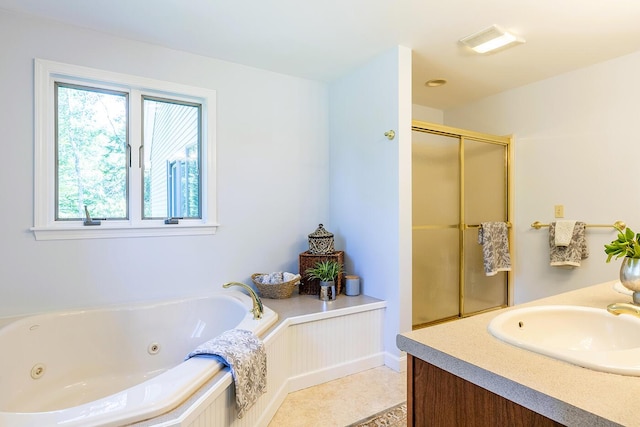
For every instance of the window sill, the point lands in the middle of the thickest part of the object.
(121, 229)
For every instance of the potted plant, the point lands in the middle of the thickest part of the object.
(326, 272)
(627, 245)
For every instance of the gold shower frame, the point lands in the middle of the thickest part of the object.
(507, 142)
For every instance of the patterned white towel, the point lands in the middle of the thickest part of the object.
(494, 238)
(572, 254)
(244, 353)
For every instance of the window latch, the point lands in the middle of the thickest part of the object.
(88, 220)
(172, 220)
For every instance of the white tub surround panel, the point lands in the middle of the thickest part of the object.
(331, 348)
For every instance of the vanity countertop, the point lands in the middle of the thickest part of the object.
(566, 393)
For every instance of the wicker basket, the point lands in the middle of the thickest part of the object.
(275, 290)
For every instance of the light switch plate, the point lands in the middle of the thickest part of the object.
(558, 211)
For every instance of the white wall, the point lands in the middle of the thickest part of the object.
(576, 144)
(427, 114)
(370, 189)
(272, 155)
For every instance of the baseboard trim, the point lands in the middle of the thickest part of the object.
(334, 372)
(397, 363)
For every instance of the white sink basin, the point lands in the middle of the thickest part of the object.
(585, 336)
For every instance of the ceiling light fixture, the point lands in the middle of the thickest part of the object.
(435, 82)
(491, 39)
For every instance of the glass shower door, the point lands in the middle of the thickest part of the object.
(459, 180)
(485, 199)
(436, 214)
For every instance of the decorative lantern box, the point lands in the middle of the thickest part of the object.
(308, 260)
(321, 241)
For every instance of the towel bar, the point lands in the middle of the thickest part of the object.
(618, 224)
(478, 225)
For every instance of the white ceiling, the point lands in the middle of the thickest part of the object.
(323, 39)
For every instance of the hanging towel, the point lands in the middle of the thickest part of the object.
(564, 232)
(494, 238)
(244, 353)
(572, 254)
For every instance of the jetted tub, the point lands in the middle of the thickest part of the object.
(113, 366)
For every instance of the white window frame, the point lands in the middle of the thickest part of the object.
(45, 226)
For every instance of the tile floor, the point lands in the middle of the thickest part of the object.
(343, 401)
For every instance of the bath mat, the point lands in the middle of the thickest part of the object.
(396, 416)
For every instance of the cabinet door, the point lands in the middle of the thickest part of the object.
(438, 398)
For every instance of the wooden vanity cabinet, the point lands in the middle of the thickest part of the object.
(437, 398)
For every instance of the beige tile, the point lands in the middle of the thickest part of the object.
(343, 401)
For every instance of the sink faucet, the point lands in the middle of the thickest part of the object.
(619, 308)
(257, 309)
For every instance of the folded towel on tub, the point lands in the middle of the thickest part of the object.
(494, 238)
(244, 353)
(572, 254)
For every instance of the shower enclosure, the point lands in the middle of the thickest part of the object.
(460, 179)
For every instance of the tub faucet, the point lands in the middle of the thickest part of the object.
(619, 308)
(257, 309)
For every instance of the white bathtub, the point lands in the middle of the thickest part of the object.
(114, 366)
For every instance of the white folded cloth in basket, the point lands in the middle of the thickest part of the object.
(277, 278)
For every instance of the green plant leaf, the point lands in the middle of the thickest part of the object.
(627, 245)
(325, 271)
(629, 234)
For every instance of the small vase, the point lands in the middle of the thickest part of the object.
(630, 276)
(327, 291)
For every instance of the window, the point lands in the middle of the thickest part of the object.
(91, 153)
(171, 158)
(120, 155)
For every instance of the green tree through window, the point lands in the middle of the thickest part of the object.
(91, 150)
